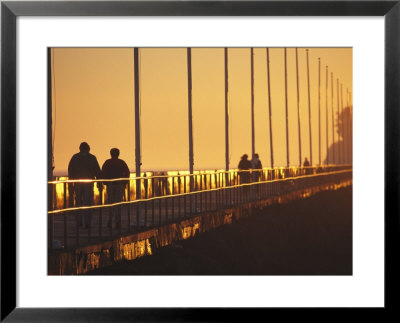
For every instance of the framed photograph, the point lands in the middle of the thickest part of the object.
(180, 160)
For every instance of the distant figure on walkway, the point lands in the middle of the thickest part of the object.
(307, 164)
(115, 168)
(244, 167)
(83, 165)
(257, 167)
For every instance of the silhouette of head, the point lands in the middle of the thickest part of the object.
(256, 155)
(245, 156)
(114, 152)
(84, 147)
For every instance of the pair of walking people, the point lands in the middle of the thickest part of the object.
(84, 165)
(246, 165)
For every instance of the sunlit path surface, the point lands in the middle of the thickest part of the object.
(288, 239)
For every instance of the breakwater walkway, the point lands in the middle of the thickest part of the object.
(234, 203)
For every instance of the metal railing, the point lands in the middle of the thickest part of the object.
(168, 198)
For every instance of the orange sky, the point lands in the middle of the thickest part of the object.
(93, 101)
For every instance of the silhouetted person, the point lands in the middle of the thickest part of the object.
(244, 167)
(306, 163)
(257, 166)
(115, 168)
(83, 165)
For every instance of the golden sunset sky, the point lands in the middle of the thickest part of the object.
(93, 101)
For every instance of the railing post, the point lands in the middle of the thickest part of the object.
(201, 192)
(206, 192)
(138, 206)
(159, 211)
(184, 200)
(77, 216)
(119, 218)
(101, 212)
(50, 230)
(152, 202)
(196, 195)
(145, 184)
(129, 205)
(166, 202)
(65, 218)
(172, 197)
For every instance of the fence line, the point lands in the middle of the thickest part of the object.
(167, 185)
(135, 215)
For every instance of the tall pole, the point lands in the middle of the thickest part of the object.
(348, 127)
(333, 123)
(326, 114)
(351, 127)
(190, 117)
(50, 159)
(338, 103)
(252, 104)
(319, 109)
(287, 116)
(226, 117)
(342, 117)
(50, 224)
(309, 108)
(298, 106)
(137, 122)
(270, 111)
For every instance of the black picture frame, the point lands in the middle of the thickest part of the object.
(11, 10)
